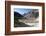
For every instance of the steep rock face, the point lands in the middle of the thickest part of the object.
(30, 15)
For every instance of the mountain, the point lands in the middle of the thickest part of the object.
(29, 15)
(17, 14)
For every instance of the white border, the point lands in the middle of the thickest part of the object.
(27, 28)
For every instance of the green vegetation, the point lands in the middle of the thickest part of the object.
(17, 23)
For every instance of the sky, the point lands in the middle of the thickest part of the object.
(22, 10)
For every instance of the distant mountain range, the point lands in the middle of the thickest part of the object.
(31, 14)
(27, 15)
